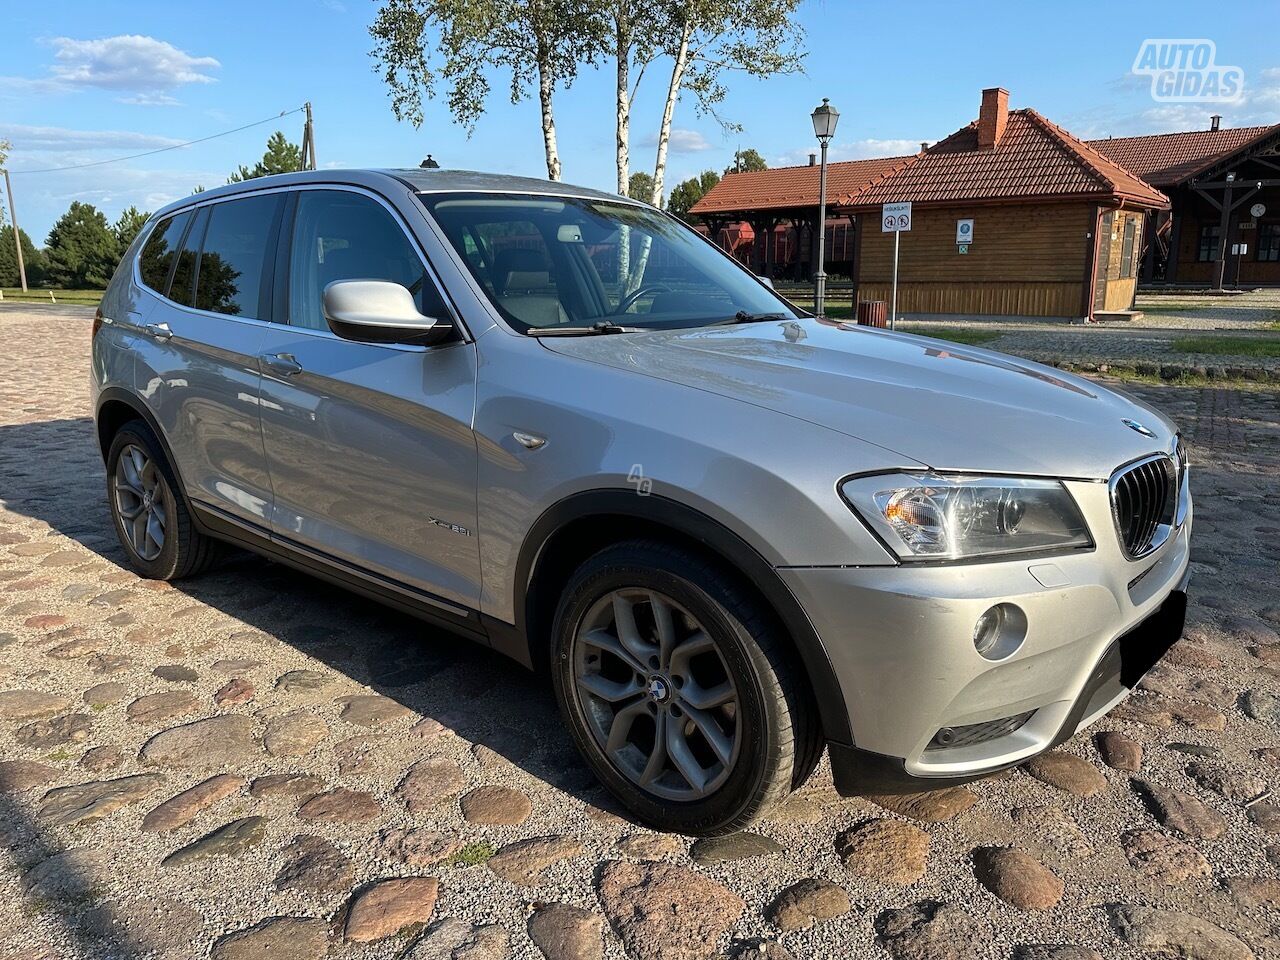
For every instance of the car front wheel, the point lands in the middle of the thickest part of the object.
(679, 690)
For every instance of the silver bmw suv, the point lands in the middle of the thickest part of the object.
(563, 424)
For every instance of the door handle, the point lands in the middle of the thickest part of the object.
(281, 363)
(158, 331)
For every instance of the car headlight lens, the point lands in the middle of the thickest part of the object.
(935, 517)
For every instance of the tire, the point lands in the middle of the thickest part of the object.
(183, 551)
(769, 723)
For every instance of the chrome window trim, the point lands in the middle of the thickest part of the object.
(456, 317)
(1164, 531)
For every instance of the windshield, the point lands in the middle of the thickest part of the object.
(549, 262)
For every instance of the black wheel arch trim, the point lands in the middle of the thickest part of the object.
(730, 547)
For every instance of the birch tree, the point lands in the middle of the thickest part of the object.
(421, 44)
(706, 39)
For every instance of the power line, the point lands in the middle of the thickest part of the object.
(176, 146)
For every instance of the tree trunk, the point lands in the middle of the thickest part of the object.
(664, 141)
(546, 87)
(678, 68)
(622, 51)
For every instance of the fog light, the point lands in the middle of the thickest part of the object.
(999, 631)
(987, 630)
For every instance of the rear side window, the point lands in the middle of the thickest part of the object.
(339, 235)
(233, 259)
(182, 286)
(157, 256)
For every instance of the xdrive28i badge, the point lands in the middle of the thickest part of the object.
(1135, 425)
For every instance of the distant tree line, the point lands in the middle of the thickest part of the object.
(83, 248)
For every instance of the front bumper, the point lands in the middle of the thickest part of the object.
(900, 641)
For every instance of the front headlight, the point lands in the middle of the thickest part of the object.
(935, 517)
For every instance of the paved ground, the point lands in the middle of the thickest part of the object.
(317, 746)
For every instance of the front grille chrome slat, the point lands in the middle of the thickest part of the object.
(1144, 499)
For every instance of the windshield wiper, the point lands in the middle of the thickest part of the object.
(745, 316)
(600, 326)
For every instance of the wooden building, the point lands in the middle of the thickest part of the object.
(768, 219)
(1224, 185)
(1056, 228)
(1058, 221)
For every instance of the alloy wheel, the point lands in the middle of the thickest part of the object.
(140, 501)
(654, 690)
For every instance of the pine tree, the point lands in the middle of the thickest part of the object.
(128, 226)
(81, 249)
(281, 157)
(32, 259)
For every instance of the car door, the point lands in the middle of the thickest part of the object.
(370, 446)
(197, 362)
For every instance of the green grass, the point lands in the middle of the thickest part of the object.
(1230, 346)
(37, 295)
(970, 335)
(472, 855)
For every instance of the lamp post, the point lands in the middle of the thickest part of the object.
(824, 119)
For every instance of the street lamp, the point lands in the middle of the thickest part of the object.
(824, 119)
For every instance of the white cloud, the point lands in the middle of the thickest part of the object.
(1258, 105)
(141, 69)
(853, 150)
(61, 139)
(682, 141)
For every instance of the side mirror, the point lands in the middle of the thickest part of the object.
(766, 281)
(378, 311)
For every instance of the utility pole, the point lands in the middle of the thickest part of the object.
(308, 140)
(17, 236)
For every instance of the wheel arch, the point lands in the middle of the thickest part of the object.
(579, 525)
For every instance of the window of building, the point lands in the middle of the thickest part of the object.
(233, 259)
(1269, 242)
(340, 235)
(1210, 243)
(157, 256)
(1126, 248)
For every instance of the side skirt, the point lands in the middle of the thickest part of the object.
(417, 603)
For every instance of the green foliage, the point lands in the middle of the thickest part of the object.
(471, 855)
(418, 43)
(746, 161)
(82, 251)
(127, 226)
(281, 156)
(640, 187)
(686, 194)
(32, 259)
(756, 37)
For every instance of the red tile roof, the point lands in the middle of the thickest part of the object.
(789, 187)
(1035, 159)
(1166, 159)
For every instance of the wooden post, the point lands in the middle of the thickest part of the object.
(1224, 235)
(17, 234)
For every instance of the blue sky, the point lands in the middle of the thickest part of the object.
(86, 81)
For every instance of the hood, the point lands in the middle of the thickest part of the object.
(943, 404)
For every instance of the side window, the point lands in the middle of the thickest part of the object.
(338, 235)
(157, 256)
(233, 258)
(182, 287)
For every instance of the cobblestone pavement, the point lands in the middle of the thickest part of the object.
(256, 764)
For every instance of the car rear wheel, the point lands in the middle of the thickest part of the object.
(679, 690)
(151, 518)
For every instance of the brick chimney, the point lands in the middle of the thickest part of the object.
(1215, 122)
(813, 159)
(992, 117)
